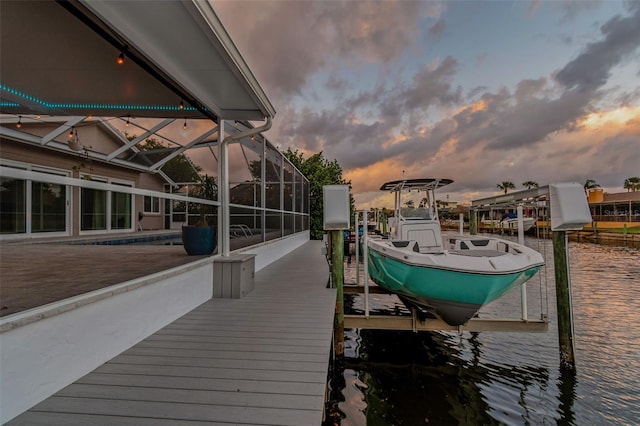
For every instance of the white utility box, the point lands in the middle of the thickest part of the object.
(337, 214)
(569, 207)
(233, 276)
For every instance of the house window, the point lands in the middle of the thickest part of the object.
(13, 202)
(94, 209)
(48, 207)
(120, 210)
(151, 204)
(33, 206)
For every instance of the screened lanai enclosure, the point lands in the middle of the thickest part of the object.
(268, 196)
(99, 100)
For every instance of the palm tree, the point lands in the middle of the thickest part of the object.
(632, 184)
(590, 184)
(409, 204)
(530, 184)
(423, 202)
(506, 185)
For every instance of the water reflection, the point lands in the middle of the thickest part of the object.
(392, 377)
(567, 386)
(435, 378)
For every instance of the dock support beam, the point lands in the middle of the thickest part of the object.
(563, 300)
(337, 282)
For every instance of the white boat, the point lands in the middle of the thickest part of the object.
(451, 276)
(510, 221)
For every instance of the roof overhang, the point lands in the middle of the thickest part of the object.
(59, 58)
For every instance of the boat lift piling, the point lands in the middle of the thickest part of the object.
(337, 282)
(336, 219)
(563, 300)
(523, 287)
(365, 262)
(569, 212)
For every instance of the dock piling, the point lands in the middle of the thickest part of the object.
(337, 281)
(473, 222)
(563, 300)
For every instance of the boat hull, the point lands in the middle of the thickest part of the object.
(453, 295)
(527, 223)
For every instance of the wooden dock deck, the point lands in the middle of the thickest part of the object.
(260, 360)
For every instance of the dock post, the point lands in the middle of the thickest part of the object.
(384, 225)
(523, 287)
(337, 280)
(563, 300)
(473, 222)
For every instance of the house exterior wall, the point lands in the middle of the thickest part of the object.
(76, 165)
(613, 210)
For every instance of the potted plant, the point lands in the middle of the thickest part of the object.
(200, 239)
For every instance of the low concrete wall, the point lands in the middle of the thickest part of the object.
(269, 252)
(45, 349)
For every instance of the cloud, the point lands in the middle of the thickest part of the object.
(591, 69)
(437, 29)
(312, 58)
(433, 84)
(286, 42)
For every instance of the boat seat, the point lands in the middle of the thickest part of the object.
(426, 233)
(479, 243)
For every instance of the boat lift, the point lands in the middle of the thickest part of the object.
(414, 322)
(569, 212)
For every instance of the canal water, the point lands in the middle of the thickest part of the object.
(463, 378)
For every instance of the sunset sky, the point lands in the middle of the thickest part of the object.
(475, 91)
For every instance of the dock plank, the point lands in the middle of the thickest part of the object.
(261, 360)
(204, 383)
(224, 354)
(176, 411)
(188, 396)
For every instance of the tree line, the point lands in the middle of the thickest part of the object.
(630, 184)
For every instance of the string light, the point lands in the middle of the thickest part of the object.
(181, 105)
(38, 116)
(127, 122)
(184, 126)
(74, 140)
(19, 123)
(120, 59)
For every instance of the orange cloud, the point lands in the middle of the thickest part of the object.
(624, 117)
(370, 178)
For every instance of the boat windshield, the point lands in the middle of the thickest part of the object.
(412, 213)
